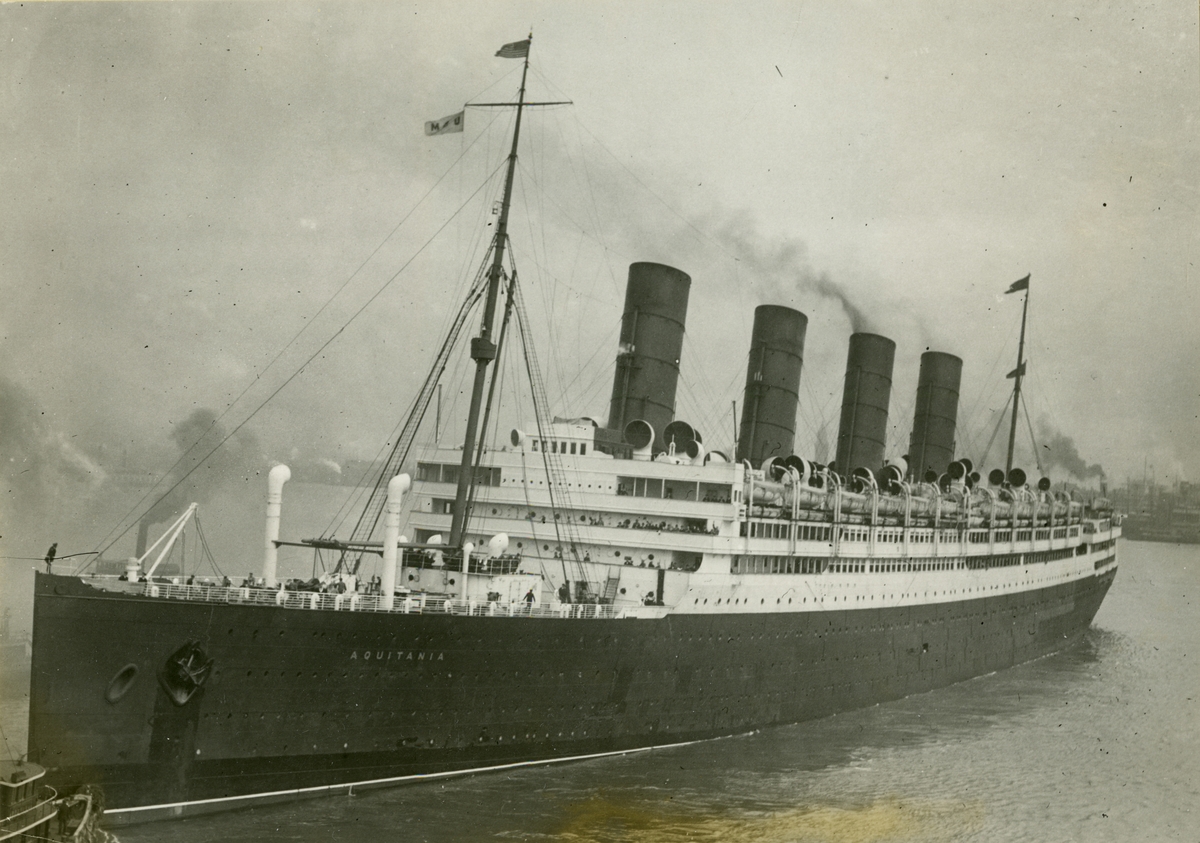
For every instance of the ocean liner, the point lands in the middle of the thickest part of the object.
(575, 590)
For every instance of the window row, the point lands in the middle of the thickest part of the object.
(682, 490)
(779, 530)
(555, 446)
(838, 565)
(434, 472)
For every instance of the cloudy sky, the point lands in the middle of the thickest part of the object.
(199, 198)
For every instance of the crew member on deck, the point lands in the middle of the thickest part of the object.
(50, 558)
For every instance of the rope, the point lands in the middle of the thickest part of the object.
(204, 545)
(995, 432)
(290, 377)
(308, 323)
(1037, 457)
(7, 747)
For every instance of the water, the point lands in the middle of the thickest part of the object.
(1096, 744)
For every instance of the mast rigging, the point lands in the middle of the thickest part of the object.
(483, 350)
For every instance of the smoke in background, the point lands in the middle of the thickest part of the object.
(1059, 451)
(43, 471)
(196, 477)
(37, 464)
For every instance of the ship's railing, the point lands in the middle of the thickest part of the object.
(415, 604)
(581, 611)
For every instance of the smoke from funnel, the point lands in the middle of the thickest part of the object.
(782, 269)
(859, 323)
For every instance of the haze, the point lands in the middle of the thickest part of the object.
(185, 185)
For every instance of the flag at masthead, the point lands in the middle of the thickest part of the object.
(515, 50)
(1017, 286)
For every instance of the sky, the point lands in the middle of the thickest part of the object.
(204, 206)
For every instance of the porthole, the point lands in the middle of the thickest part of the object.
(120, 684)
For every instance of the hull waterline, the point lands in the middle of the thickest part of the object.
(307, 703)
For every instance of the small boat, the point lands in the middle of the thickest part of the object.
(31, 810)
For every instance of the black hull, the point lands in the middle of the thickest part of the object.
(319, 700)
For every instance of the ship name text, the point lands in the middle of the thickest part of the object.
(396, 656)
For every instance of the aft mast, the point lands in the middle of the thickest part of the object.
(483, 349)
(1017, 373)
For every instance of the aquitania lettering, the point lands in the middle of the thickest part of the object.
(396, 655)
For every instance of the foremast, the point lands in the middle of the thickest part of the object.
(483, 349)
(1017, 373)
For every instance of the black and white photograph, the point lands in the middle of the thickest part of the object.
(615, 422)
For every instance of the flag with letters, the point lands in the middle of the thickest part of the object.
(1017, 286)
(515, 50)
(453, 123)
